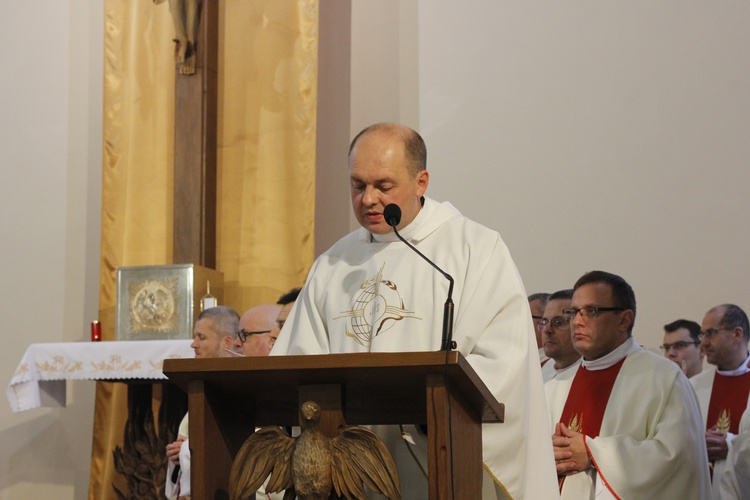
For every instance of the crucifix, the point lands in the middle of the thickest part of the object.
(195, 124)
(194, 241)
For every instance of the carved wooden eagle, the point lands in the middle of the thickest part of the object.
(313, 466)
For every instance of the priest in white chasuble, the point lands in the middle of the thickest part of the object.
(734, 481)
(371, 293)
(627, 423)
(723, 391)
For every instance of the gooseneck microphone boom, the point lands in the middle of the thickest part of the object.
(392, 216)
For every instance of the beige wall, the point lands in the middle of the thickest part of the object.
(334, 87)
(591, 135)
(49, 221)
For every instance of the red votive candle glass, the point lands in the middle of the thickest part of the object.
(96, 331)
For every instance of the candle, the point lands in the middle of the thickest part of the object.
(96, 331)
(208, 300)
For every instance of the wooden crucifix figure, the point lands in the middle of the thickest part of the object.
(196, 96)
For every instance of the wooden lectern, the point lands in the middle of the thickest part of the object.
(229, 397)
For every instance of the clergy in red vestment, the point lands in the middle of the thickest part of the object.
(627, 423)
(723, 390)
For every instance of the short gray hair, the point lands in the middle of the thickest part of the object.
(225, 320)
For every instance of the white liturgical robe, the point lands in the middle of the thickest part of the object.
(178, 484)
(734, 482)
(549, 371)
(372, 293)
(650, 445)
(703, 384)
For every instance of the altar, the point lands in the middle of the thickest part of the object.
(41, 375)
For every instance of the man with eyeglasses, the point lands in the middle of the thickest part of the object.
(214, 334)
(627, 423)
(537, 303)
(723, 392)
(682, 345)
(554, 329)
(256, 336)
(259, 329)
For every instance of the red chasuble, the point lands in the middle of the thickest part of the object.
(588, 397)
(728, 402)
(587, 400)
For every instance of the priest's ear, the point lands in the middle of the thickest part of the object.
(626, 320)
(423, 180)
(227, 341)
(738, 335)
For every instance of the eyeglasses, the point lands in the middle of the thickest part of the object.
(677, 346)
(709, 334)
(589, 312)
(536, 317)
(557, 323)
(244, 334)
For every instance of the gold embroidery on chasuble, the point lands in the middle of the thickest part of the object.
(724, 421)
(374, 309)
(576, 423)
(729, 395)
(588, 398)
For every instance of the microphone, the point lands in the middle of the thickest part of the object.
(392, 216)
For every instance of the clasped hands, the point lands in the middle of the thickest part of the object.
(571, 455)
(173, 449)
(716, 444)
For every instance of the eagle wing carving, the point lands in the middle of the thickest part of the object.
(360, 458)
(268, 451)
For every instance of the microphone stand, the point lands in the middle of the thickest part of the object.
(392, 214)
(447, 343)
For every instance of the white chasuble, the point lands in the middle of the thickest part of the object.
(371, 293)
(650, 444)
(734, 482)
(704, 384)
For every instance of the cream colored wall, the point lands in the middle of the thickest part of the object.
(50, 140)
(591, 135)
(609, 135)
(334, 86)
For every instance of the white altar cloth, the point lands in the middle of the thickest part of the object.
(46, 367)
